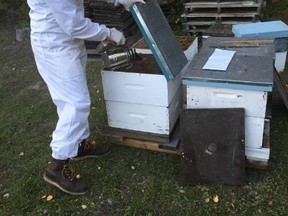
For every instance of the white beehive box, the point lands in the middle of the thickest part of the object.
(139, 88)
(245, 84)
(254, 103)
(156, 119)
(146, 101)
(146, 96)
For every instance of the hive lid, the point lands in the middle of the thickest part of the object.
(159, 37)
(251, 68)
(212, 146)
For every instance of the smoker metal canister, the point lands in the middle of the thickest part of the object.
(118, 57)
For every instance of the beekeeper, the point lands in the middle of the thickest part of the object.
(58, 30)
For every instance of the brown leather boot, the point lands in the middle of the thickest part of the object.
(89, 148)
(61, 174)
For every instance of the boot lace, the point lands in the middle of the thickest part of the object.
(88, 144)
(68, 171)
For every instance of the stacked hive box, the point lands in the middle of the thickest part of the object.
(245, 84)
(146, 95)
(201, 14)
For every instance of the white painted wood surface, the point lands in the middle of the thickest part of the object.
(254, 102)
(254, 128)
(144, 118)
(139, 88)
(280, 60)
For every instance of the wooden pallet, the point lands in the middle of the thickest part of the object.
(201, 14)
(143, 144)
(222, 7)
(138, 140)
(144, 140)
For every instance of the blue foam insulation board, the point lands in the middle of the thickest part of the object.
(270, 29)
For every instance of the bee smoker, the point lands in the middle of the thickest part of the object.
(118, 56)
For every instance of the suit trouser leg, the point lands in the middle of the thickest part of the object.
(65, 77)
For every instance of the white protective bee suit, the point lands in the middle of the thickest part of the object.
(58, 30)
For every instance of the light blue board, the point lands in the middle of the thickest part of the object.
(271, 29)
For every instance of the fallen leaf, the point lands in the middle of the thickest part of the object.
(6, 195)
(84, 206)
(133, 167)
(49, 198)
(216, 199)
(207, 200)
(21, 154)
(43, 197)
(270, 203)
(181, 191)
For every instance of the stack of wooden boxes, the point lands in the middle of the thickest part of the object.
(201, 14)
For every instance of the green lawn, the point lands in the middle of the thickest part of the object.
(128, 181)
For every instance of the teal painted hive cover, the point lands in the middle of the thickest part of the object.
(160, 38)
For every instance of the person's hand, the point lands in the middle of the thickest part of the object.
(117, 37)
(129, 3)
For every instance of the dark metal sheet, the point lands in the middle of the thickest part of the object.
(212, 146)
(159, 37)
(249, 66)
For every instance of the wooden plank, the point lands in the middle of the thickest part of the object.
(256, 164)
(245, 43)
(281, 87)
(138, 135)
(244, 14)
(143, 144)
(221, 4)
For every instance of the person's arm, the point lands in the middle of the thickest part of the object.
(69, 15)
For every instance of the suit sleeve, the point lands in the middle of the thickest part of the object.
(69, 14)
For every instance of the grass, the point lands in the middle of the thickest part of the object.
(126, 182)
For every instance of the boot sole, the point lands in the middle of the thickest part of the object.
(90, 156)
(61, 188)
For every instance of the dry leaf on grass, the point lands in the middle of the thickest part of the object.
(216, 199)
(270, 203)
(84, 206)
(49, 198)
(181, 191)
(207, 200)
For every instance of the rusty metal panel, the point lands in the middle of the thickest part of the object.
(159, 37)
(212, 146)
